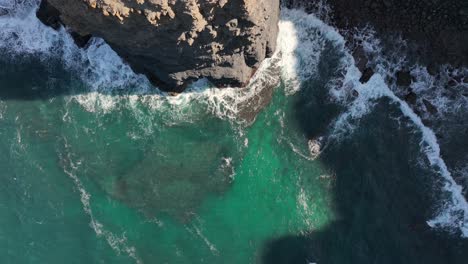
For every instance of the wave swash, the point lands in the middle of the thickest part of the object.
(111, 84)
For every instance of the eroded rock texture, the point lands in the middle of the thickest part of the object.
(175, 42)
(438, 28)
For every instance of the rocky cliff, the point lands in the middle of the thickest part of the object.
(175, 42)
(438, 28)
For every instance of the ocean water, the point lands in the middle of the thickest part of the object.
(98, 166)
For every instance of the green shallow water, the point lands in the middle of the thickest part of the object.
(97, 178)
(117, 176)
(137, 183)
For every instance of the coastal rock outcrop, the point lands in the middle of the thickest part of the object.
(438, 28)
(176, 42)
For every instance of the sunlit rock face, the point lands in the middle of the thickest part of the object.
(175, 42)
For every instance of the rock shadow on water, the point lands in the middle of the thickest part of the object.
(176, 182)
(384, 190)
(383, 197)
(31, 78)
(313, 107)
(169, 172)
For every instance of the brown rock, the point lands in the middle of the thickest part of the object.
(177, 42)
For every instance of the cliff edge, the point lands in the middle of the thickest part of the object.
(176, 42)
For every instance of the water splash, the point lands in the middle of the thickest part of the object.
(112, 84)
(454, 212)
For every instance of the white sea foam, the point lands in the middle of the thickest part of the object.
(444, 88)
(118, 243)
(196, 229)
(385, 65)
(7, 4)
(300, 44)
(360, 106)
(303, 204)
(21, 33)
(319, 8)
(447, 91)
(301, 41)
(105, 74)
(454, 213)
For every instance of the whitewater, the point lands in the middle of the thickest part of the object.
(110, 86)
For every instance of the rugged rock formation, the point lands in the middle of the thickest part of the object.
(436, 33)
(438, 28)
(175, 42)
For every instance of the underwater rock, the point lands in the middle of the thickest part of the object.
(404, 78)
(366, 75)
(430, 107)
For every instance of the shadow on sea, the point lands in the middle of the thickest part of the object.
(32, 77)
(382, 201)
(382, 198)
(157, 174)
(383, 190)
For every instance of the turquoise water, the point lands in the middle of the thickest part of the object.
(105, 174)
(193, 188)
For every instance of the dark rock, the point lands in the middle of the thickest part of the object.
(426, 122)
(433, 69)
(411, 98)
(437, 29)
(176, 42)
(3, 11)
(80, 41)
(403, 78)
(366, 75)
(430, 107)
(439, 135)
(360, 58)
(452, 83)
(458, 78)
(49, 15)
(355, 93)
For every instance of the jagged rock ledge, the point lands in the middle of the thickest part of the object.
(436, 35)
(437, 29)
(176, 42)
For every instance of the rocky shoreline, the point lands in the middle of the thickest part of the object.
(175, 43)
(432, 39)
(437, 30)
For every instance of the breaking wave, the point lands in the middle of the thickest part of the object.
(104, 72)
(112, 84)
(300, 56)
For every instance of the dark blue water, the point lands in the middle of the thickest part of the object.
(97, 166)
